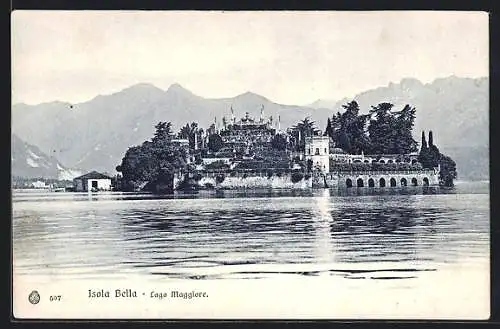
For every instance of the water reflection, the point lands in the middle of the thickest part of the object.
(322, 220)
(248, 232)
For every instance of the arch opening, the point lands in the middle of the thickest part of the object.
(382, 182)
(404, 182)
(371, 182)
(414, 181)
(393, 182)
(348, 182)
(381, 161)
(426, 181)
(360, 182)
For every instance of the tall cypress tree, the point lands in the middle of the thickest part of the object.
(424, 156)
(328, 129)
(434, 153)
(424, 142)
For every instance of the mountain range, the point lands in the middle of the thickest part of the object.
(94, 135)
(29, 162)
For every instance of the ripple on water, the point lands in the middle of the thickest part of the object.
(245, 237)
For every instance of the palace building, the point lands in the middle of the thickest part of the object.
(248, 132)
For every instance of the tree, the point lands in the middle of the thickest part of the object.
(215, 142)
(154, 162)
(184, 132)
(404, 120)
(424, 155)
(333, 127)
(430, 157)
(390, 131)
(163, 132)
(380, 129)
(353, 125)
(328, 129)
(211, 130)
(348, 129)
(448, 171)
(279, 142)
(304, 128)
(424, 142)
(307, 128)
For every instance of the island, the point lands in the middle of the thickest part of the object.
(374, 150)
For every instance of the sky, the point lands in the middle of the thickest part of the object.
(288, 57)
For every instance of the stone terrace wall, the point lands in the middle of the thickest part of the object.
(377, 179)
(329, 180)
(251, 181)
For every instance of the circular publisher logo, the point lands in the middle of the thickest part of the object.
(34, 297)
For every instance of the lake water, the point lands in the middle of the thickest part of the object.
(357, 235)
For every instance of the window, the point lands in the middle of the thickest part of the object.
(325, 150)
(317, 151)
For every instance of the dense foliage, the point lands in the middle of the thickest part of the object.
(192, 133)
(215, 142)
(381, 131)
(279, 142)
(154, 162)
(303, 129)
(431, 157)
(297, 176)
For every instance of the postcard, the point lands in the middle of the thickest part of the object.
(250, 165)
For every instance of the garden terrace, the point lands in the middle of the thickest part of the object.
(336, 166)
(263, 164)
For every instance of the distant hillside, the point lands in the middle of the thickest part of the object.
(323, 104)
(455, 109)
(29, 162)
(94, 135)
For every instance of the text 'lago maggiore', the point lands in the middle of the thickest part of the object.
(130, 293)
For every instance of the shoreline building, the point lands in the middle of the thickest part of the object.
(93, 180)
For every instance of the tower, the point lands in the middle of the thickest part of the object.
(317, 150)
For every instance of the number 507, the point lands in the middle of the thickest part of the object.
(55, 298)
